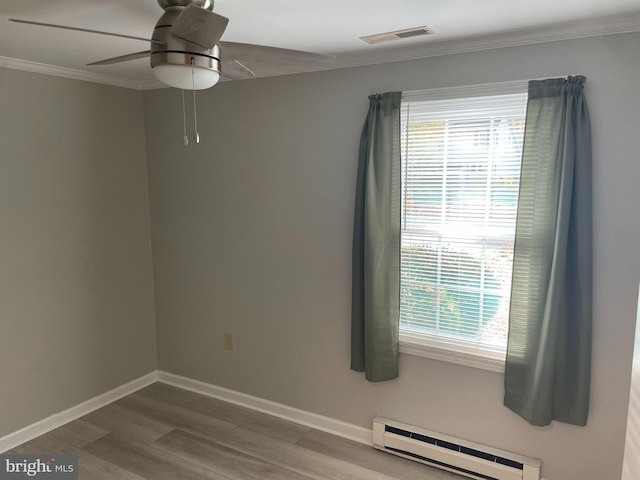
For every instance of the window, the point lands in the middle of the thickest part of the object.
(460, 179)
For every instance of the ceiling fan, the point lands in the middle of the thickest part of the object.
(186, 51)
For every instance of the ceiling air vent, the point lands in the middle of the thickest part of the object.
(397, 35)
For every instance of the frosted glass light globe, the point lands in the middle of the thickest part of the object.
(180, 76)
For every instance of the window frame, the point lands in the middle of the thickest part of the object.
(461, 353)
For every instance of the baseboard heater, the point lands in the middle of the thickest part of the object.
(453, 454)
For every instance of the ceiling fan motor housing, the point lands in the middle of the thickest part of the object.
(185, 47)
(208, 4)
(172, 50)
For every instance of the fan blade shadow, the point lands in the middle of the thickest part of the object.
(235, 70)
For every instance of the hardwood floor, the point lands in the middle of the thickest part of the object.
(163, 432)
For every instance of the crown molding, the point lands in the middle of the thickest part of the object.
(594, 27)
(45, 69)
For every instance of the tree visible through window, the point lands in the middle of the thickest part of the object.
(460, 180)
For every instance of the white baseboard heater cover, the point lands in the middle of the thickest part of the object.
(453, 454)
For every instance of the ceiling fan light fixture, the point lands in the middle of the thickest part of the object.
(186, 77)
(184, 48)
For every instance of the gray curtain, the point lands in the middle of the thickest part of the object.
(376, 243)
(548, 366)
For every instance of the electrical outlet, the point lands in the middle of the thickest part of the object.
(228, 341)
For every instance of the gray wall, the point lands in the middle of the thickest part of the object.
(631, 463)
(251, 234)
(76, 284)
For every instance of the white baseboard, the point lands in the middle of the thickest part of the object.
(313, 420)
(285, 412)
(58, 419)
(302, 417)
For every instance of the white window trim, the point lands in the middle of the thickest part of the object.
(458, 353)
(482, 90)
(469, 356)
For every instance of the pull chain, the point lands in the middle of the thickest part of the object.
(196, 137)
(184, 121)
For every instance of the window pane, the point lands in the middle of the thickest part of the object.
(460, 180)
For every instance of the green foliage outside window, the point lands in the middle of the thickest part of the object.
(458, 302)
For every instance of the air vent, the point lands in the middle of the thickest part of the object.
(397, 35)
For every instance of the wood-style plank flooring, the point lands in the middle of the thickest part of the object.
(163, 432)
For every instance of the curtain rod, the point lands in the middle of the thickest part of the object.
(475, 90)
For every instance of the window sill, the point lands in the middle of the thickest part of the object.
(460, 355)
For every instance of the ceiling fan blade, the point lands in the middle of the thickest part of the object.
(200, 26)
(86, 30)
(235, 70)
(247, 52)
(122, 58)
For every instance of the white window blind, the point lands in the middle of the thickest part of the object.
(460, 180)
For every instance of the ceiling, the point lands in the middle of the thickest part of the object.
(327, 26)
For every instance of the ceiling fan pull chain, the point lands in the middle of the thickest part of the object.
(196, 138)
(184, 121)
